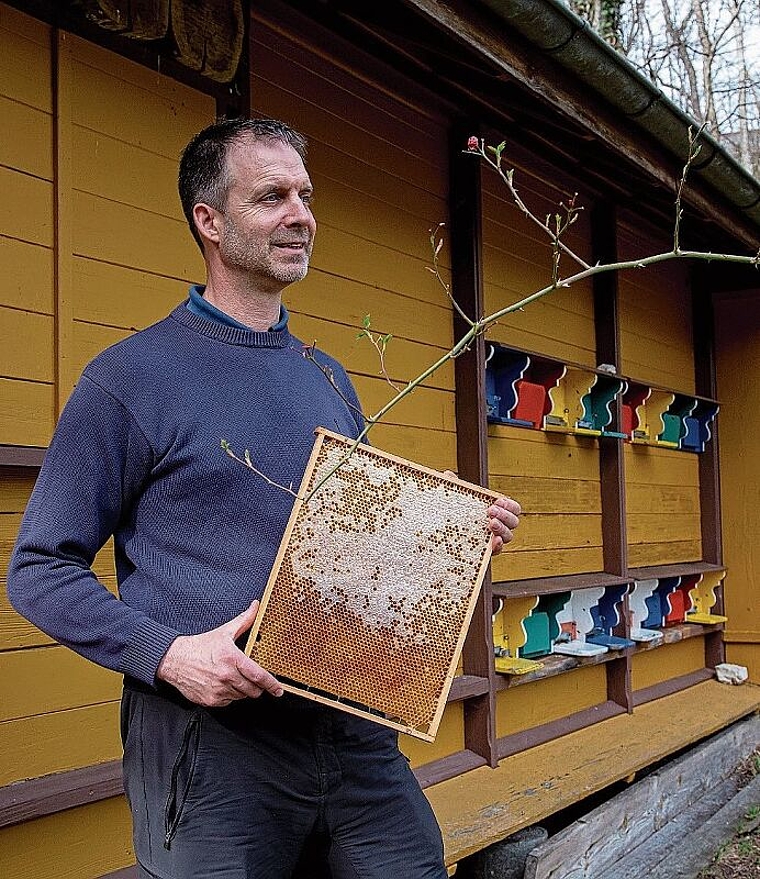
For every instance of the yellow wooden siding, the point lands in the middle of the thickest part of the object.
(25, 63)
(747, 655)
(655, 315)
(132, 256)
(554, 477)
(448, 740)
(531, 705)
(26, 139)
(25, 349)
(556, 480)
(27, 412)
(124, 260)
(26, 231)
(670, 661)
(62, 680)
(27, 276)
(517, 261)
(83, 843)
(59, 741)
(737, 325)
(663, 520)
(377, 163)
(15, 489)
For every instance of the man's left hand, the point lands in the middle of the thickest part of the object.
(504, 517)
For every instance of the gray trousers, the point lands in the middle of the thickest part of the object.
(271, 789)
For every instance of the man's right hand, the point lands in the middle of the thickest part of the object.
(209, 669)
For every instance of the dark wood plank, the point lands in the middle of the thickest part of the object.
(37, 797)
(547, 585)
(619, 688)
(467, 686)
(715, 648)
(448, 767)
(466, 240)
(673, 685)
(674, 634)
(530, 738)
(552, 665)
(680, 570)
(22, 456)
(705, 382)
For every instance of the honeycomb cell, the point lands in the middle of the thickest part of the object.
(367, 606)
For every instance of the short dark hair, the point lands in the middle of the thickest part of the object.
(203, 173)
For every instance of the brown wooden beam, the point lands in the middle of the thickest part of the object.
(678, 570)
(705, 381)
(467, 686)
(607, 334)
(37, 797)
(466, 241)
(562, 583)
(235, 101)
(448, 767)
(672, 685)
(553, 664)
(530, 738)
(604, 226)
(21, 456)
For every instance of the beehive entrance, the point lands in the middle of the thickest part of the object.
(374, 585)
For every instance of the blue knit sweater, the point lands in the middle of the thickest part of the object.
(137, 454)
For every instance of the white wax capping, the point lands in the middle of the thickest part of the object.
(389, 544)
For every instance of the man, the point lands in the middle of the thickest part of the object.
(224, 777)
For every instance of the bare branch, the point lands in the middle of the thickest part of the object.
(478, 148)
(247, 462)
(436, 243)
(308, 353)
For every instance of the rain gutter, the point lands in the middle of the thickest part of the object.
(558, 32)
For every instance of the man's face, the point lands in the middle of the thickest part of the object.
(267, 227)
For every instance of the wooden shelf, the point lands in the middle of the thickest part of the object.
(555, 664)
(547, 732)
(548, 585)
(672, 685)
(659, 572)
(674, 634)
(22, 456)
(467, 686)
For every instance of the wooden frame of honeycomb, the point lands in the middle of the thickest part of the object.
(373, 588)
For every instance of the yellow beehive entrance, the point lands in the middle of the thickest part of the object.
(374, 586)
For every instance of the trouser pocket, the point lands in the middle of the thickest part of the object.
(181, 778)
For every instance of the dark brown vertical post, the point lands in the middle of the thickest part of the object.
(706, 386)
(606, 325)
(705, 383)
(465, 232)
(611, 451)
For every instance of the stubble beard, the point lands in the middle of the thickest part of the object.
(260, 257)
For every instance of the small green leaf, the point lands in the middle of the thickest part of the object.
(366, 323)
(225, 445)
(361, 335)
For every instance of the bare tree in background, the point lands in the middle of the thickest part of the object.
(703, 54)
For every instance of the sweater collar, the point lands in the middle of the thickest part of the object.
(198, 304)
(233, 333)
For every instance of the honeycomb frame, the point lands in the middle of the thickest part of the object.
(368, 603)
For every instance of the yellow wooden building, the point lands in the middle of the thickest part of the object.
(641, 507)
